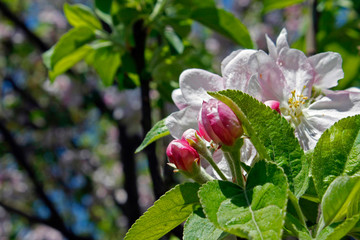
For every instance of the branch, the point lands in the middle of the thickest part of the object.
(140, 34)
(30, 218)
(20, 24)
(18, 152)
(312, 30)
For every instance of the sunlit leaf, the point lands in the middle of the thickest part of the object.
(103, 10)
(69, 43)
(106, 60)
(199, 227)
(248, 212)
(338, 230)
(224, 23)
(270, 5)
(337, 153)
(68, 61)
(158, 131)
(80, 15)
(168, 212)
(341, 199)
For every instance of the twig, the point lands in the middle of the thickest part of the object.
(312, 30)
(55, 219)
(140, 34)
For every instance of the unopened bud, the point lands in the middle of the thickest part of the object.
(191, 135)
(182, 155)
(275, 105)
(219, 123)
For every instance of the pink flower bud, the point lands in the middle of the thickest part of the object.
(275, 105)
(190, 134)
(182, 155)
(219, 123)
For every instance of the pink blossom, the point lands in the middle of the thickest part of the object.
(275, 105)
(182, 155)
(219, 123)
(300, 84)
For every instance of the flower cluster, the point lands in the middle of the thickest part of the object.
(286, 80)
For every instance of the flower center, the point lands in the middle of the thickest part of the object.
(296, 103)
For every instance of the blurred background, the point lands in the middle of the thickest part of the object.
(67, 163)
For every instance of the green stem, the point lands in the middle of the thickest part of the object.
(297, 207)
(207, 155)
(230, 163)
(202, 176)
(320, 226)
(159, 7)
(233, 155)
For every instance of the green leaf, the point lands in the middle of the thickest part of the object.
(199, 227)
(294, 226)
(68, 61)
(69, 43)
(106, 60)
(103, 10)
(168, 212)
(272, 136)
(224, 23)
(337, 231)
(46, 56)
(174, 41)
(158, 131)
(80, 15)
(248, 212)
(270, 5)
(335, 206)
(336, 153)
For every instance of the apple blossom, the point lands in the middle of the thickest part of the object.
(182, 155)
(219, 123)
(274, 105)
(300, 84)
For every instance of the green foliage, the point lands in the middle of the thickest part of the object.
(270, 5)
(225, 23)
(79, 15)
(272, 136)
(70, 49)
(338, 230)
(68, 61)
(103, 10)
(158, 131)
(336, 153)
(167, 213)
(248, 212)
(106, 60)
(198, 227)
(341, 199)
(296, 228)
(174, 41)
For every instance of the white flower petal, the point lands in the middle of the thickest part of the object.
(271, 47)
(226, 60)
(323, 113)
(248, 153)
(328, 69)
(178, 99)
(254, 88)
(270, 78)
(297, 70)
(221, 162)
(281, 41)
(194, 84)
(237, 72)
(178, 122)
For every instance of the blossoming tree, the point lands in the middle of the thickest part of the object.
(272, 134)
